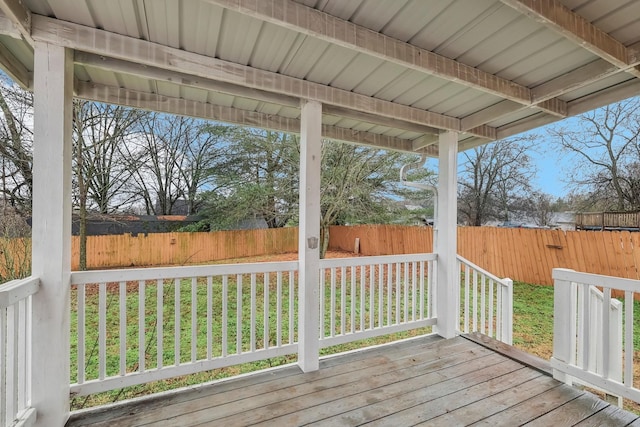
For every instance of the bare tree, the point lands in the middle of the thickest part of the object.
(172, 158)
(202, 155)
(100, 132)
(604, 146)
(16, 142)
(541, 208)
(494, 178)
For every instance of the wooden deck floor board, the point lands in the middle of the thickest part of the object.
(611, 416)
(365, 394)
(249, 398)
(430, 381)
(532, 408)
(571, 412)
(493, 404)
(398, 410)
(329, 366)
(337, 387)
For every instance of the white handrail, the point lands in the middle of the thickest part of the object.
(119, 275)
(17, 290)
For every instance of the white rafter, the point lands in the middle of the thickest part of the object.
(19, 15)
(179, 106)
(574, 80)
(306, 20)
(154, 73)
(135, 50)
(555, 15)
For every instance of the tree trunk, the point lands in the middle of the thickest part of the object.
(82, 212)
(324, 240)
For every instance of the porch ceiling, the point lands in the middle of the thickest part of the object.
(390, 73)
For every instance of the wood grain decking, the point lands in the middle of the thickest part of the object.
(427, 381)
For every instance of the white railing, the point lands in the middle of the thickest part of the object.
(593, 332)
(371, 296)
(15, 352)
(486, 302)
(134, 326)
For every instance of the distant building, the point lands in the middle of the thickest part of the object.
(180, 207)
(132, 224)
(102, 225)
(564, 220)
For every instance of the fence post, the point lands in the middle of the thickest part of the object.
(562, 322)
(507, 312)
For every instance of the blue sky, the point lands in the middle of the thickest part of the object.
(552, 165)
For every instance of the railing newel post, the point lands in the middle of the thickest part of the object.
(507, 311)
(562, 321)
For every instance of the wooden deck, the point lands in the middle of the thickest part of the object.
(427, 381)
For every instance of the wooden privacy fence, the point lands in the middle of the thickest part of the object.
(124, 250)
(526, 255)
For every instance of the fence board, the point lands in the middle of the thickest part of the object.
(526, 255)
(157, 249)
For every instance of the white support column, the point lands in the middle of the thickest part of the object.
(53, 85)
(447, 275)
(309, 236)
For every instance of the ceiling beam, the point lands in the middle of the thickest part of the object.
(425, 141)
(549, 91)
(19, 15)
(579, 106)
(182, 79)
(383, 121)
(554, 14)
(8, 28)
(183, 107)
(151, 54)
(315, 23)
(14, 68)
(489, 114)
(611, 95)
(576, 79)
(525, 124)
(131, 68)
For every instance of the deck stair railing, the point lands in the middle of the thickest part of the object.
(594, 332)
(371, 296)
(486, 302)
(15, 352)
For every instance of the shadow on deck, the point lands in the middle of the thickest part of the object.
(429, 381)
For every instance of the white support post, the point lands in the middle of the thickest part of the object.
(447, 273)
(309, 236)
(51, 232)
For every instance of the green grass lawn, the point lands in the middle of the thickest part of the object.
(533, 318)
